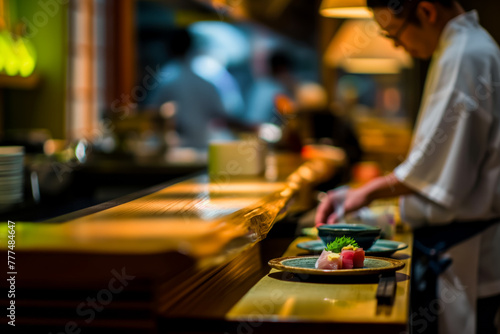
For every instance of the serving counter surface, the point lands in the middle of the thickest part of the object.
(198, 217)
(346, 303)
(188, 252)
(201, 234)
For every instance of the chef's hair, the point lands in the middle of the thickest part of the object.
(401, 7)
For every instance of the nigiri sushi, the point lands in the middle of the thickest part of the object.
(328, 260)
(347, 256)
(359, 258)
(343, 253)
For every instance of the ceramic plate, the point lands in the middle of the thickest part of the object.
(305, 265)
(381, 247)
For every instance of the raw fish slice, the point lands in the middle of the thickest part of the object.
(328, 260)
(359, 258)
(322, 260)
(347, 258)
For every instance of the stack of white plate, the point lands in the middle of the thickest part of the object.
(11, 175)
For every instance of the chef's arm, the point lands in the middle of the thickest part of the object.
(386, 186)
(381, 187)
(355, 199)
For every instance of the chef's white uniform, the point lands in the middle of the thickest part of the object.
(454, 164)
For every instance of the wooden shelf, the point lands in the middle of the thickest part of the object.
(19, 82)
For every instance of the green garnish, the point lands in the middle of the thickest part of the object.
(339, 243)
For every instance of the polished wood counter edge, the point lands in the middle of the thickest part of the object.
(283, 297)
(203, 216)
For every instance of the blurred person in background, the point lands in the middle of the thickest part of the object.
(314, 122)
(262, 100)
(323, 125)
(450, 182)
(191, 101)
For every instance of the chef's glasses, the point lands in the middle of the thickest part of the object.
(395, 37)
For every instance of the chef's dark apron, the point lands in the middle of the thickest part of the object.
(429, 244)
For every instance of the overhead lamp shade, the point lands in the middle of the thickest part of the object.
(358, 48)
(345, 9)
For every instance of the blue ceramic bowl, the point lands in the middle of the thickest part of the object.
(365, 235)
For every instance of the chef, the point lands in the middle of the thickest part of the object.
(450, 180)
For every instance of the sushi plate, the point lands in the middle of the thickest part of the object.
(305, 265)
(381, 247)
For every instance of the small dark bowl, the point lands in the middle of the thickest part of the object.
(364, 235)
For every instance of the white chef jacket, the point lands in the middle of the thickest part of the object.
(454, 162)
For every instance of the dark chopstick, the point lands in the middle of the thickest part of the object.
(386, 289)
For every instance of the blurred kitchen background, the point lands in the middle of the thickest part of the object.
(92, 90)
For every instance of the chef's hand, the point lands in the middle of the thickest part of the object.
(326, 208)
(352, 200)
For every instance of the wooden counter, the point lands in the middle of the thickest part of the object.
(198, 217)
(175, 250)
(188, 258)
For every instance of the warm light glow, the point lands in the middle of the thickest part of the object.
(284, 104)
(318, 151)
(306, 173)
(255, 187)
(235, 9)
(345, 9)
(371, 65)
(49, 147)
(168, 109)
(347, 12)
(311, 96)
(359, 48)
